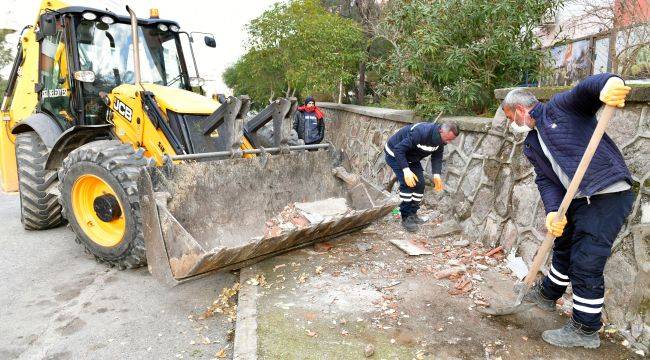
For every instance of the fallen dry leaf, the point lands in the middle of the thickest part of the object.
(221, 354)
(311, 333)
(303, 277)
(223, 304)
(278, 267)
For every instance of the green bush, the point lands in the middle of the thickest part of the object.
(451, 55)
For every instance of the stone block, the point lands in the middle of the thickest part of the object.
(539, 218)
(377, 139)
(524, 198)
(449, 227)
(503, 190)
(490, 145)
(470, 141)
(519, 163)
(509, 236)
(641, 236)
(644, 123)
(491, 170)
(482, 204)
(528, 248)
(499, 122)
(504, 153)
(491, 232)
(472, 177)
(637, 156)
(451, 181)
(626, 120)
(620, 276)
(471, 231)
(462, 207)
(455, 160)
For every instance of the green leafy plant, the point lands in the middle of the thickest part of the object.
(5, 56)
(451, 55)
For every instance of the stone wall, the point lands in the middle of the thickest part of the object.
(490, 189)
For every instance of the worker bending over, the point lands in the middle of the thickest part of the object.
(558, 134)
(404, 151)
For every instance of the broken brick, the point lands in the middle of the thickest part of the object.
(323, 247)
(449, 272)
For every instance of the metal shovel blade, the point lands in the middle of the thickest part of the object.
(508, 310)
(517, 307)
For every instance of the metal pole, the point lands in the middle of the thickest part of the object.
(271, 150)
(136, 44)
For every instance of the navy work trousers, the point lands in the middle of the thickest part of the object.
(411, 196)
(580, 254)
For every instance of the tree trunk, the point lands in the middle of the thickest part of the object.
(361, 85)
(340, 91)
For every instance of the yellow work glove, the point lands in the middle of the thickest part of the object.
(555, 227)
(409, 177)
(614, 92)
(437, 183)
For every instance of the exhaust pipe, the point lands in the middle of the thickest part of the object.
(136, 44)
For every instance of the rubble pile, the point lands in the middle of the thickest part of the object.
(298, 215)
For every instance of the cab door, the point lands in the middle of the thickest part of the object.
(54, 78)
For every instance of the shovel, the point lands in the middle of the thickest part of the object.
(545, 248)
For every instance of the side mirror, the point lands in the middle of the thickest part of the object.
(47, 24)
(210, 42)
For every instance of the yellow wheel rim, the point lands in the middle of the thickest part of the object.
(84, 192)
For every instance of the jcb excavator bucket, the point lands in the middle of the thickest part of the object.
(200, 217)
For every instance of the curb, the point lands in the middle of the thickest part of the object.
(245, 347)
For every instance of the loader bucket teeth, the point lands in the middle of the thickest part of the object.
(206, 216)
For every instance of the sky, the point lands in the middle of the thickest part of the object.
(223, 18)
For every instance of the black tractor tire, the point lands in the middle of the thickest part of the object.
(39, 205)
(119, 166)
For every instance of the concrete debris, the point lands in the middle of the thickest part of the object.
(301, 215)
(329, 207)
(518, 267)
(410, 247)
(461, 243)
(362, 246)
(449, 227)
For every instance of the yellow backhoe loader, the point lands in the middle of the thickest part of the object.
(102, 131)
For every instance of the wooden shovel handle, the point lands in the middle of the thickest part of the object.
(546, 246)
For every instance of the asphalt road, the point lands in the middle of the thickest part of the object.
(56, 302)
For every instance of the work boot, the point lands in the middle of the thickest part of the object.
(418, 220)
(409, 224)
(534, 295)
(571, 335)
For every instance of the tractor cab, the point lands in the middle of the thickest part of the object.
(85, 52)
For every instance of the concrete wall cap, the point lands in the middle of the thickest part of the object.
(405, 116)
(639, 93)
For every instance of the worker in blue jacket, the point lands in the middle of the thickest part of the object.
(558, 134)
(404, 151)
